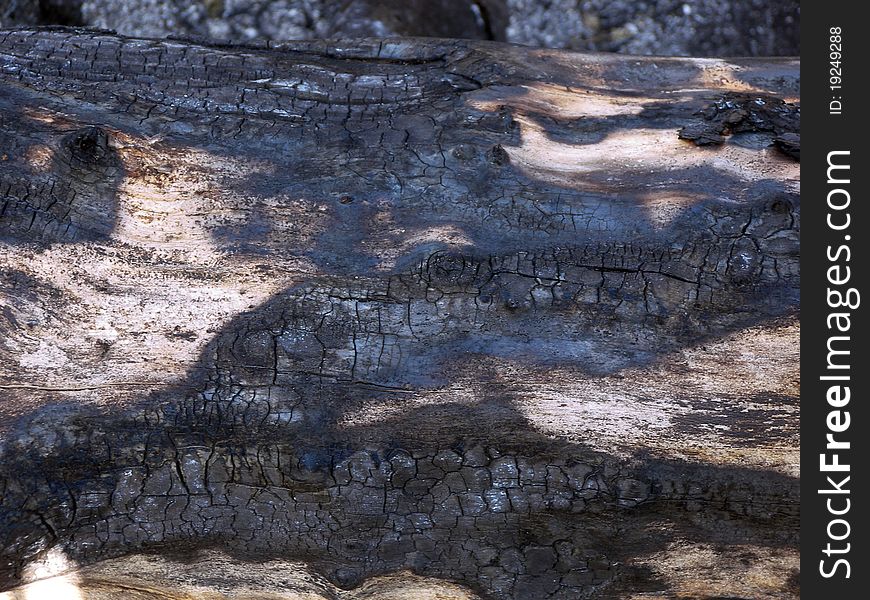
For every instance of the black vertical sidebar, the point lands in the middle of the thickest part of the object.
(835, 422)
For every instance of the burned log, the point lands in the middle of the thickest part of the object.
(347, 318)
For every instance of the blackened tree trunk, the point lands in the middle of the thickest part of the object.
(396, 314)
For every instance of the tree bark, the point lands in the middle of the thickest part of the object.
(397, 317)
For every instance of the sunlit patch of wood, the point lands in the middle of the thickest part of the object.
(560, 101)
(39, 114)
(38, 157)
(215, 576)
(161, 287)
(662, 206)
(170, 200)
(662, 408)
(128, 314)
(50, 577)
(668, 410)
(733, 571)
(629, 153)
(671, 76)
(731, 77)
(449, 237)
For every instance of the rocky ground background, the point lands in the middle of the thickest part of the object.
(652, 27)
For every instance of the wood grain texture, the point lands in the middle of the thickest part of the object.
(465, 310)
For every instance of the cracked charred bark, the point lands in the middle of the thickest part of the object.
(397, 315)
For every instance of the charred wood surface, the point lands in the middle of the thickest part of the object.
(397, 312)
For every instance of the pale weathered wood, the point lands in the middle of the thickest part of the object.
(483, 313)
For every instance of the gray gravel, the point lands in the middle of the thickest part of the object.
(663, 27)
